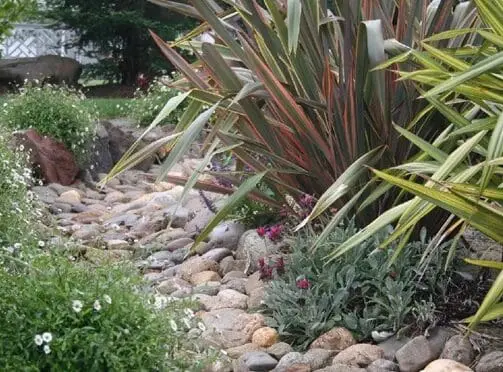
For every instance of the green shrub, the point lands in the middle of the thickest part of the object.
(355, 291)
(53, 111)
(64, 316)
(146, 106)
(17, 209)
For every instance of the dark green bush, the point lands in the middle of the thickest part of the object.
(357, 291)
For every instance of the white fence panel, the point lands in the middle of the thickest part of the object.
(33, 40)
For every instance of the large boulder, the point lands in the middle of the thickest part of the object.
(99, 159)
(120, 139)
(49, 157)
(51, 69)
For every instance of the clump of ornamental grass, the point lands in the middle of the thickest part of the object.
(360, 290)
(57, 112)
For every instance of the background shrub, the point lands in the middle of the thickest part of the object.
(146, 106)
(64, 316)
(356, 290)
(53, 111)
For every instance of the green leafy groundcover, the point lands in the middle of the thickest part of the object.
(64, 316)
(357, 291)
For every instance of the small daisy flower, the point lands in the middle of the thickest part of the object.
(107, 299)
(77, 306)
(189, 312)
(173, 325)
(47, 336)
(41, 243)
(186, 322)
(38, 340)
(97, 305)
(47, 349)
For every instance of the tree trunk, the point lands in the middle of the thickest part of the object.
(131, 64)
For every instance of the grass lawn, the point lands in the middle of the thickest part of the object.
(106, 108)
(109, 108)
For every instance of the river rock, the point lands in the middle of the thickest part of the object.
(337, 338)
(414, 355)
(359, 355)
(460, 349)
(265, 337)
(446, 365)
(228, 328)
(491, 362)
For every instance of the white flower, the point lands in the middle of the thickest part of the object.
(189, 312)
(77, 306)
(173, 325)
(38, 340)
(186, 322)
(41, 243)
(47, 349)
(47, 336)
(17, 245)
(201, 326)
(97, 305)
(107, 299)
(160, 302)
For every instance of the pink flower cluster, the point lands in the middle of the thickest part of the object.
(303, 283)
(272, 232)
(267, 269)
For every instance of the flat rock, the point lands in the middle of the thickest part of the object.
(236, 284)
(258, 361)
(171, 285)
(460, 349)
(318, 358)
(414, 355)
(227, 298)
(178, 243)
(341, 368)
(233, 275)
(226, 235)
(392, 345)
(208, 288)
(359, 355)
(204, 277)
(217, 254)
(236, 352)
(337, 338)
(117, 244)
(446, 365)
(195, 265)
(71, 197)
(226, 328)
(279, 350)
(289, 360)
(87, 232)
(383, 365)
(45, 194)
(491, 362)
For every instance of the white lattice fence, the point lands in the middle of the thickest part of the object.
(33, 40)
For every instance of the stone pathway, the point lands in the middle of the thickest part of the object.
(132, 218)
